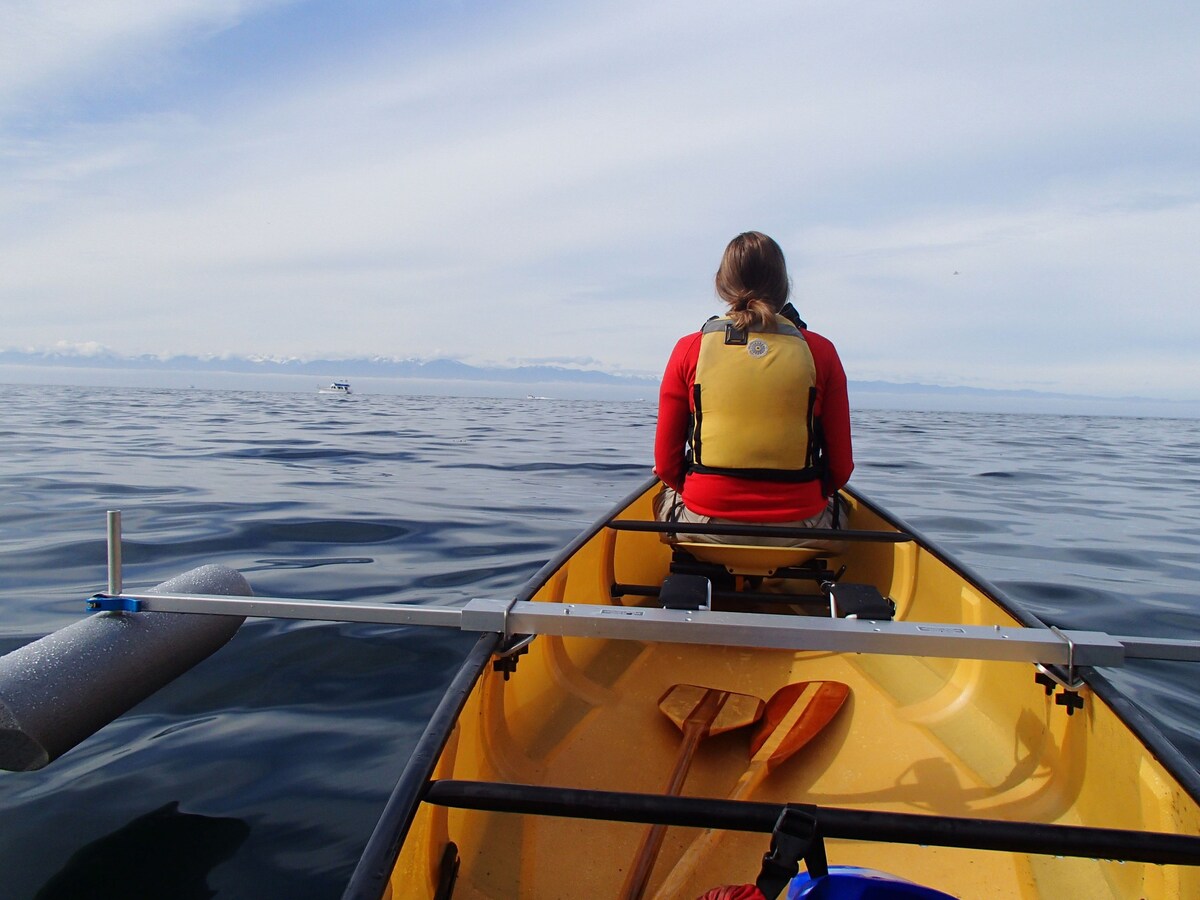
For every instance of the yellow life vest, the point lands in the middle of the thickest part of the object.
(753, 397)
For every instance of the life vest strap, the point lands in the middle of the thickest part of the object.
(722, 325)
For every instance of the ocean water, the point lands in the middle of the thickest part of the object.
(261, 772)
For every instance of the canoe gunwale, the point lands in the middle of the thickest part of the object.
(1147, 730)
(989, 590)
(379, 856)
(538, 580)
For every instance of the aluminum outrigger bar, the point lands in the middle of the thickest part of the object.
(512, 618)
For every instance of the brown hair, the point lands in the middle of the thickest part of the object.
(753, 280)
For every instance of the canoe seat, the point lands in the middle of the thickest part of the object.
(750, 559)
(734, 574)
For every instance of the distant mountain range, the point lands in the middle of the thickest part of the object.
(451, 377)
(430, 369)
(366, 367)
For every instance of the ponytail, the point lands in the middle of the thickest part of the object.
(756, 315)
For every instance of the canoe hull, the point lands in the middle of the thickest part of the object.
(939, 737)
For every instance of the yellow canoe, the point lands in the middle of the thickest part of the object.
(951, 763)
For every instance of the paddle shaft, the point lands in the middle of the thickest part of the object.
(760, 762)
(695, 727)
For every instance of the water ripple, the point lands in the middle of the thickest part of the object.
(1087, 522)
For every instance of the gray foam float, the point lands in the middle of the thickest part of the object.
(62, 688)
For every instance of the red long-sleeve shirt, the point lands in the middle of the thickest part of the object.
(745, 499)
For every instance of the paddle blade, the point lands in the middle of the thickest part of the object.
(795, 714)
(719, 711)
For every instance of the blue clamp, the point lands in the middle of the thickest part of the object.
(109, 603)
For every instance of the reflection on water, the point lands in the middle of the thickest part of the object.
(164, 853)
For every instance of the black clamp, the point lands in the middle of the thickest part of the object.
(858, 601)
(1052, 677)
(795, 837)
(1071, 700)
(686, 592)
(506, 658)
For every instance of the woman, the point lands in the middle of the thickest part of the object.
(753, 416)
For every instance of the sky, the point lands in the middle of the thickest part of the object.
(987, 194)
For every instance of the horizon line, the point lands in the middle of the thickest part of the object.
(108, 360)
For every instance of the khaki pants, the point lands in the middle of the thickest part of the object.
(668, 507)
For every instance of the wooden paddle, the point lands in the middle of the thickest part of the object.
(698, 712)
(795, 714)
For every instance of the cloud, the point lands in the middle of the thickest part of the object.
(1070, 293)
(537, 181)
(51, 49)
(81, 348)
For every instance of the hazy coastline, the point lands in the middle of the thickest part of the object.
(555, 385)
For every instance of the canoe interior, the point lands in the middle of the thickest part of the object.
(917, 735)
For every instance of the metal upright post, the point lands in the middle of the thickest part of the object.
(114, 552)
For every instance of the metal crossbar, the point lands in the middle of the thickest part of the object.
(785, 632)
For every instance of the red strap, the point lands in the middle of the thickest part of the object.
(734, 892)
